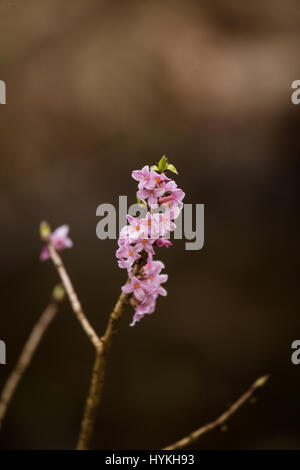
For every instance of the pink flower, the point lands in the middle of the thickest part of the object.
(170, 186)
(127, 255)
(60, 240)
(152, 288)
(136, 287)
(150, 226)
(137, 228)
(155, 280)
(148, 179)
(164, 223)
(143, 176)
(125, 264)
(146, 244)
(153, 267)
(151, 194)
(157, 180)
(147, 306)
(129, 234)
(145, 287)
(178, 195)
(163, 242)
(173, 193)
(173, 210)
(144, 308)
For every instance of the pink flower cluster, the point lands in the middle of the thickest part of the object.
(137, 240)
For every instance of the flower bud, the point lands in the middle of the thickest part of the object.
(45, 231)
(58, 292)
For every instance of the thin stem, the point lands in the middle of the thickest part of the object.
(92, 403)
(76, 306)
(26, 356)
(97, 381)
(188, 440)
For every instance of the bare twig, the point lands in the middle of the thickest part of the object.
(188, 440)
(29, 350)
(96, 386)
(76, 306)
(92, 403)
(95, 392)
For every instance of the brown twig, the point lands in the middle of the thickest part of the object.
(28, 351)
(188, 440)
(96, 386)
(76, 306)
(101, 345)
(92, 403)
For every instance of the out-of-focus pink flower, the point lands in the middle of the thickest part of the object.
(60, 240)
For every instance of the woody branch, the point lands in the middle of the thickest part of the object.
(221, 420)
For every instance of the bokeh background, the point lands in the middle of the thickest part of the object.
(96, 89)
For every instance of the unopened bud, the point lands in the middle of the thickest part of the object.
(261, 381)
(45, 231)
(58, 292)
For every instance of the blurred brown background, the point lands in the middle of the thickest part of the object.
(94, 90)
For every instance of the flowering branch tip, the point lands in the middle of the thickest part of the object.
(59, 239)
(163, 201)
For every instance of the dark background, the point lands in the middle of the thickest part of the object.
(96, 89)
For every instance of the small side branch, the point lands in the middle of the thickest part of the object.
(76, 306)
(194, 436)
(28, 351)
